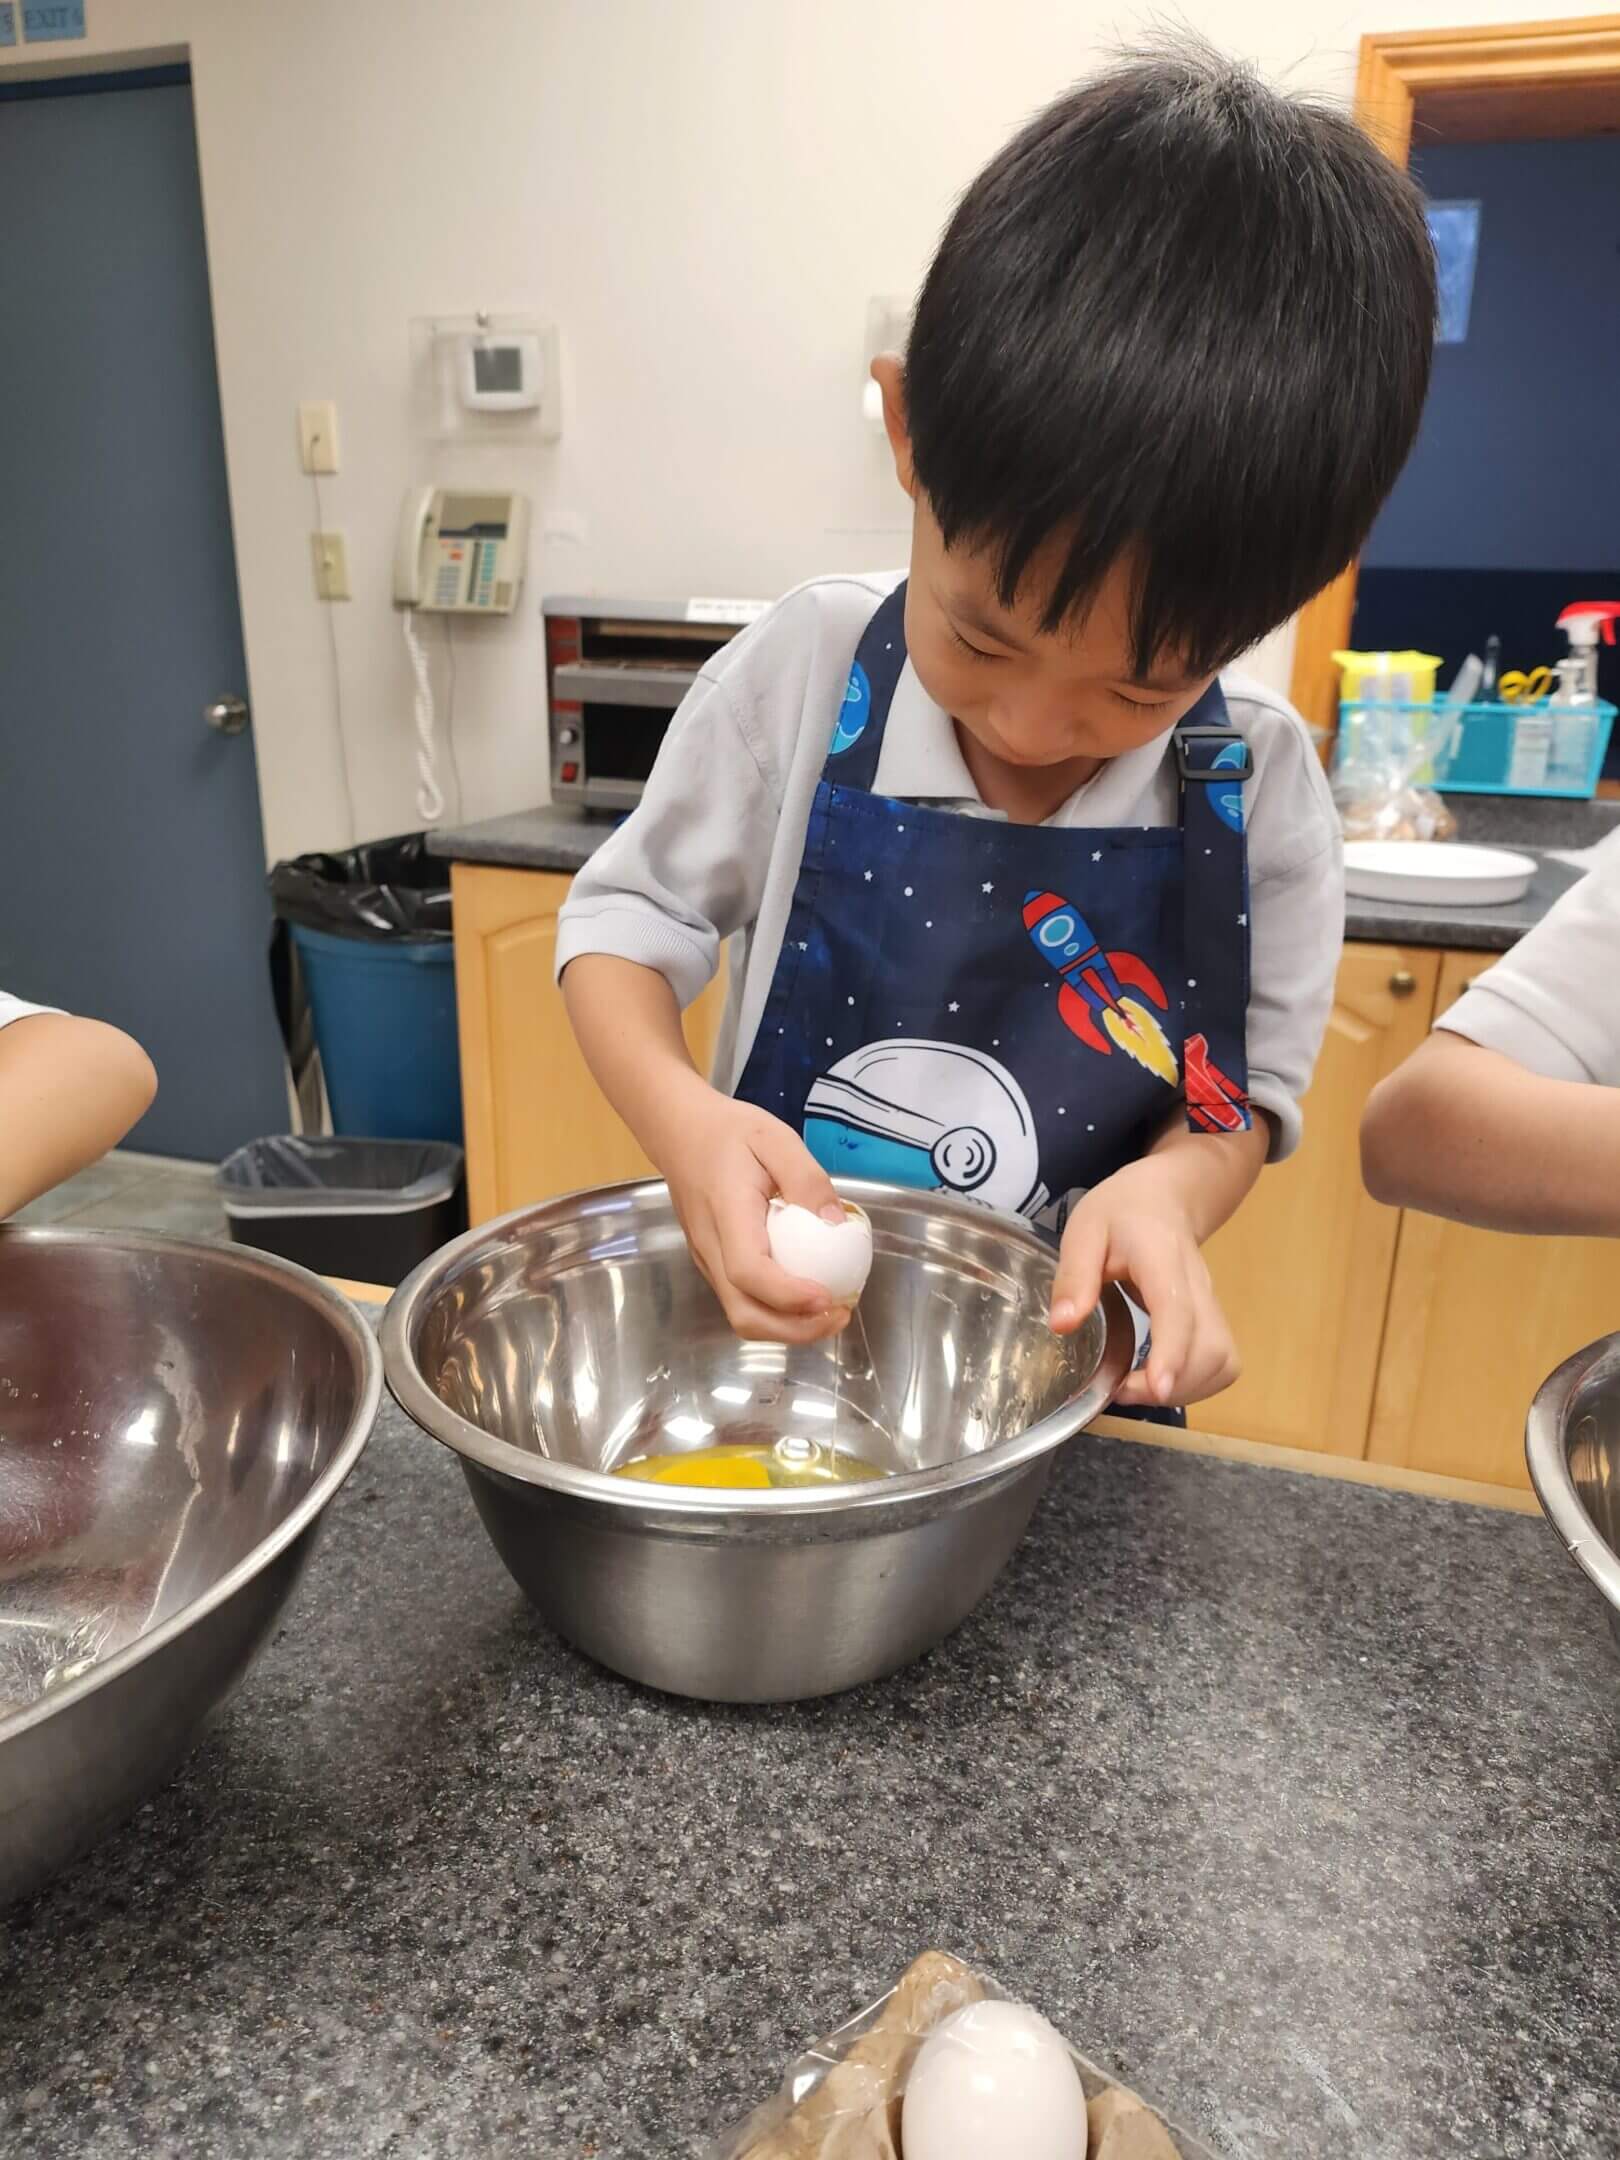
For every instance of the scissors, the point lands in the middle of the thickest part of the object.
(1518, 688)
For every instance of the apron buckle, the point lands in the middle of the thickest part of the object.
(1192, 743)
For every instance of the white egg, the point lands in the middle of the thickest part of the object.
(836, 1255)
(996, 2081)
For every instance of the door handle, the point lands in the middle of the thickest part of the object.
(1403, 982)
(227, 715)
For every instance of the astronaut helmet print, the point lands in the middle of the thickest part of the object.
(929, 1115)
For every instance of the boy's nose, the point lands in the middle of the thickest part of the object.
(1031, 725)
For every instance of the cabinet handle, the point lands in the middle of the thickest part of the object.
(1403, 982)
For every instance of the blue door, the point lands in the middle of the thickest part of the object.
(131, 851)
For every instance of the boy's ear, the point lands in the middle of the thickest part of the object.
(888, 372)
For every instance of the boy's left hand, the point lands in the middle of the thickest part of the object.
(1134, 1229)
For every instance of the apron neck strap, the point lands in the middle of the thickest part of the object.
(880, 658)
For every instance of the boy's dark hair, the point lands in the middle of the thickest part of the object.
(1183, 320)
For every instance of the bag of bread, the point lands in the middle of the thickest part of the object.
(845, 2098)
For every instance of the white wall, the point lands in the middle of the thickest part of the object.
(703, 193)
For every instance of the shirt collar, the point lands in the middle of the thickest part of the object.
(921, 761)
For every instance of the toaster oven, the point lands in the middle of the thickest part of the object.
(615, 672)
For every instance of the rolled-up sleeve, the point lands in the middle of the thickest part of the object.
(1296, 929)
(688, 866)
(1298, 935)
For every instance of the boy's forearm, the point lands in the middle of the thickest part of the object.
(69, 1090)
(1210, 1174)
(1464, 1132)
(628, 1025)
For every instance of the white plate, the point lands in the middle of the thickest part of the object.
(1435, 873)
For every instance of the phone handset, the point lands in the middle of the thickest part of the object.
(410, 548)
(416, 519)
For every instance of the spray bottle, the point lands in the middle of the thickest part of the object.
(1583, 622)
(1571, 706)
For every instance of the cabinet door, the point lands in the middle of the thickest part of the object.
(1477, 1320)
(537, 1125)
(1303, 1269)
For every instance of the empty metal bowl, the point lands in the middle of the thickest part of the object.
(173, 1419)
(1573, 1449)
(566, 1340)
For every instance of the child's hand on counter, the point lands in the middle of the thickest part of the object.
(1136, 1229)
(729, 1161)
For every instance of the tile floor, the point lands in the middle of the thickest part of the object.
(125, 1191)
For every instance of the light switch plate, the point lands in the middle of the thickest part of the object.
(331, 565)
(317, 438)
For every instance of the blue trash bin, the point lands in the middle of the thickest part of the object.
(385, 1020)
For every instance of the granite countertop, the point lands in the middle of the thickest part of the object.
(544, 839)
(565, 840)
(1294, 1801)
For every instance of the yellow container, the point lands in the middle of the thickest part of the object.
(1405, 676)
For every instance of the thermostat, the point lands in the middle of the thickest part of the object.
(502, 372)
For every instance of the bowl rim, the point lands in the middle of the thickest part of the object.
(1547, 1457)
(692, 1506)
(248, 1260)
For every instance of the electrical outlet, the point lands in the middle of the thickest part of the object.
(317, 438)
(331, 565)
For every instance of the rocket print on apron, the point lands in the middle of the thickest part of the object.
(1006, 1012)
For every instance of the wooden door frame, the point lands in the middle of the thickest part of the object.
(1398, 70)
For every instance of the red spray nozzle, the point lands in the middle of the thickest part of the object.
(1601, 613)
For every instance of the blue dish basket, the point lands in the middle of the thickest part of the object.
(1491, 740)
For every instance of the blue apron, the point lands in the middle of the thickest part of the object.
(1006, 1012)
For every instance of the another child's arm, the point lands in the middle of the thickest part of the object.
(1143, 1227)
(1509, 1115)
(723, 1159)
(69, 1090)
(1467, 1133)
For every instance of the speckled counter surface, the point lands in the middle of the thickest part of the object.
(565, 840)
(1296, 1802)
(545, 839)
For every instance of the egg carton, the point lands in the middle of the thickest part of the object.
(843, 2099)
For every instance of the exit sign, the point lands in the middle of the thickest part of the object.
(47, 22)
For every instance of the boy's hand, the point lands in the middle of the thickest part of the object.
(1135, 1229)
(728, 1161)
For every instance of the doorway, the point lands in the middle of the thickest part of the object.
(131, 848)
(1512, 82)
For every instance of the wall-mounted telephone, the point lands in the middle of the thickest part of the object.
(460, 554)
(456, 554)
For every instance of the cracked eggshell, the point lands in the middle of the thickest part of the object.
(836, 1255)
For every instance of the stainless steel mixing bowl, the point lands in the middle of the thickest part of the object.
(174, 1417)
(1573, 1448)
(564, 1340)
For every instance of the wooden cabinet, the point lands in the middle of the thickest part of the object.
(1476, 1322)
(1303, 1268)
(536, 1123)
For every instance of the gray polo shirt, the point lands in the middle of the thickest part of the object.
(1553, 1003)
(712, 852)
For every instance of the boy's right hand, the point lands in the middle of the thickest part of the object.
(728, 1162)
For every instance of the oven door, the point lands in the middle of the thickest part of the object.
(607, 723)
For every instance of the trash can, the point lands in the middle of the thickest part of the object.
(365, 937)
(369, 1210)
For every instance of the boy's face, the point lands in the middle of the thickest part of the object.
(1029, 697)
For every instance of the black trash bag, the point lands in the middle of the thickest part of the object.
(384, 890)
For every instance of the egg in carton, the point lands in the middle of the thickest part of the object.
(943, 2065)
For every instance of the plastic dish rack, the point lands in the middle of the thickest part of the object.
(1529, 749)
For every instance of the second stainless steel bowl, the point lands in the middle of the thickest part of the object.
(1573, 1448)
(558, 1343)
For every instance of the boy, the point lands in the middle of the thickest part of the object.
(1509, 1116)
(983, 829)
(69, 1090)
